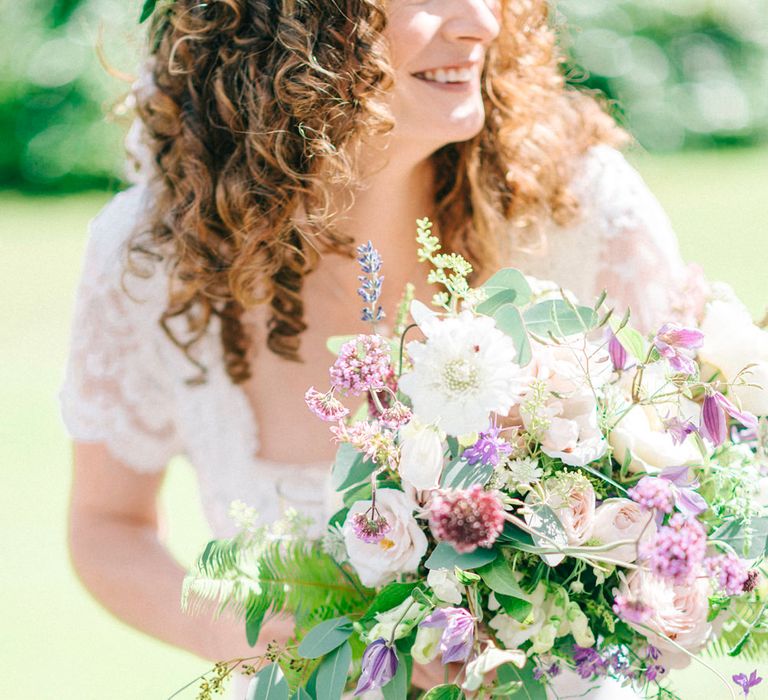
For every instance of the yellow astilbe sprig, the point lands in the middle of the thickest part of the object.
(450, 269)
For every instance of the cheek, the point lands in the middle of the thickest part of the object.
(409, 31)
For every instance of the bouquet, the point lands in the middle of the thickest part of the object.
(527, 487)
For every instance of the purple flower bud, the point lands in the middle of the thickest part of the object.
(713, 425)
(617, 351)
(379, 666)
(458, 632)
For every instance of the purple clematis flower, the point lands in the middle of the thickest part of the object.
(672, 339)
(616, 351)
(683, 487)
(458, 632)
(679, 429)
(489, 448)
(745, 683)
(713, 417)
(379, 666)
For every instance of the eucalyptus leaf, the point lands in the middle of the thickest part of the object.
(268, 684)
(510, 321)
(446, 557)
(559, 318)
(387, 598)
(444, 692)
(332, 673)
(530, 688)
(749, 545)
(551, 532)
(325, 637)
(350, 468)
(500, 578)
(509, 279)
(490, 306)
(302, 694)
(459, 474)
(253, 628)
(516, 608)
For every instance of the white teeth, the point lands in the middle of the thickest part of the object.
(451, 75)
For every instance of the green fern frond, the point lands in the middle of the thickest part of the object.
(745, 634)
(301, 579)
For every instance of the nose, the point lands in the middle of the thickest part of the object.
(474, 20)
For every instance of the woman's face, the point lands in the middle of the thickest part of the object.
(438, 51)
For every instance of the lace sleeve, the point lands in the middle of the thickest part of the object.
(638, 259)
(115, 388)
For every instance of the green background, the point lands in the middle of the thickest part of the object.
(56, 641)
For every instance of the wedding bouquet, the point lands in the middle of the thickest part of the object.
(528, 486)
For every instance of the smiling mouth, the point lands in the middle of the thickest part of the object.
(447, 76)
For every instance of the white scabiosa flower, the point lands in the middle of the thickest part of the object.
(465, 371)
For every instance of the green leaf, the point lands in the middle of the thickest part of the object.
(453, 446)
(491, 305)
(735, 534)
(510, 321)
(350, 468)
(325, 637)
(335, 342)
(531, 689)
(147, 9)
(516, 608)
(498, 576)
(361, 492)
(544, 520)
(268, 684)
(397, 688)
(387, 598)
(446, 557)
(444, 692)
(332, 674)
(302, 694)
(559, 318)
(460, 475)
(633, 341)
(252, 628)
(509, 279)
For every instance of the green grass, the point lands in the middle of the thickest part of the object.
(57, 642)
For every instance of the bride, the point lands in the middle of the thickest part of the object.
(272, 138)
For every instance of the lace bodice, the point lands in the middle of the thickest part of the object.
(125, 385)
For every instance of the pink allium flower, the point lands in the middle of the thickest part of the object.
(729, 572)
(466, 518)
(672, 339)
(677, 551)
(363, 364)
(653, 493)
(370, 527)
(325, 406)
(396, 416)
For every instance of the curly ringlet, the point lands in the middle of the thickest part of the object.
(257, 109)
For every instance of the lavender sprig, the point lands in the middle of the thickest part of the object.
(370, 288)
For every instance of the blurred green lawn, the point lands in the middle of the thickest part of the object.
(56, 641)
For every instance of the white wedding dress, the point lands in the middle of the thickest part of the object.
(124, 383)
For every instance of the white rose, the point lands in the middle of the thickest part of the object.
(445, 585)
(573, 500)
(641, 434)
(731, 342)
(619, 519)
(421, 455)
(573, 434)
(401, 549)
(426, 646)
(678, 613)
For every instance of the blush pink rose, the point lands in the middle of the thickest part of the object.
(619, 519)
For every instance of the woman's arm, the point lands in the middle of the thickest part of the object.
(116, 548)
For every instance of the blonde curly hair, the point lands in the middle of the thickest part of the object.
(255, 114)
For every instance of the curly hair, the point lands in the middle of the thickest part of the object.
(255, 114)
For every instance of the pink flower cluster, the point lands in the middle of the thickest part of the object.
(677, 550)
(729, 572)
(363, 364)
(631, 610)
(466, 518)
(653, 493)
(325, 406)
